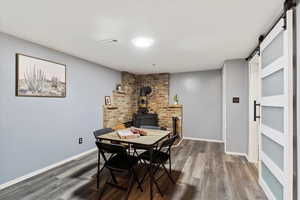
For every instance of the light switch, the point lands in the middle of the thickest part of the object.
(236, 100)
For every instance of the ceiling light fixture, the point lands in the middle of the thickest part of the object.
(106, 41)
(143, 42)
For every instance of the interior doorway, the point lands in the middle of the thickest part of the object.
(254, 120)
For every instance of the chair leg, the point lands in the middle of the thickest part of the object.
(103, 190)
(137, 180)
(113, 177)
(98, 169)
(170, 164)
(156, 184)
(135, 152)
(169, 175)
(143, 162)
(156, 169)
(129, 149)
(137, 155)
(147, 172)
(129, 187)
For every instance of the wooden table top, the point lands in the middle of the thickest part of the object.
(152, 137)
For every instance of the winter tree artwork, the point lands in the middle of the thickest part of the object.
(39, 78)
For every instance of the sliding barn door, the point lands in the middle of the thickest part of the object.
(276, 130)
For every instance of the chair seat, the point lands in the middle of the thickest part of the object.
(157, 156)
(122, 162)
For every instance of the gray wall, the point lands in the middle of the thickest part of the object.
(236, 85)
(200, 93)
(37, 132)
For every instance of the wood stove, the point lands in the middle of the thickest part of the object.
(145, 119)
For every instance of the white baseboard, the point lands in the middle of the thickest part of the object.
(252, 161)
(266, 189)
(178, 144)
(37, 172)
(237, 154)
(201, 139)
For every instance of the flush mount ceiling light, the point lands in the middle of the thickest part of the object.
(143, 42)
(107, 41)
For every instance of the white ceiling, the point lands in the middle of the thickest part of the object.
(189, 35)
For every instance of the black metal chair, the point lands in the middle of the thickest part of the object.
(160, 156)
(128, 124)
(141, 147)
(119, 162)
(102, 131)
(98, 133)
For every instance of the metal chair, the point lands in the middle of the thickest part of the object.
(160, 156)
(102, 131)
(98, 133)
(119, 162)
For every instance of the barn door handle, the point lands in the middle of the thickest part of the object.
(255, 114)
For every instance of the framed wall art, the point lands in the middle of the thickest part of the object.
(37, 77)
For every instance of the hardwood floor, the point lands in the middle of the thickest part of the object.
(201, 171)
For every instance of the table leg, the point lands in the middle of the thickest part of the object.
(151, 173)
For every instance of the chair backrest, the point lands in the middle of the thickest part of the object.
(128, 124)
(168, 142)
(102, 132)
(166, 145)
(111, 148)
(116, 151)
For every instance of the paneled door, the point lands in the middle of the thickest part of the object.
(254, 98)
(276, 129)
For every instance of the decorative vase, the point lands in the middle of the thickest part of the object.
(175, 98)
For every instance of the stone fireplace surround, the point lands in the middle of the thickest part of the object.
(124, 104)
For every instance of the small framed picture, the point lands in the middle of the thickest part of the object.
(107, 100)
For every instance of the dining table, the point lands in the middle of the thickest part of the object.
(149, 142)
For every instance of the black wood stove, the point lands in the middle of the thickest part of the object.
(143, 117)
(146, 119)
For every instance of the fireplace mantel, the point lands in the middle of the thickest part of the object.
(174, 106)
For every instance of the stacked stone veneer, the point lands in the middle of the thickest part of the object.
(125, 103)
(159, 98)
(166, 114)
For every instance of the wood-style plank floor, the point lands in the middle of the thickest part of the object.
(201, 171)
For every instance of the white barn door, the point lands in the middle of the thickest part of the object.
(276, 130)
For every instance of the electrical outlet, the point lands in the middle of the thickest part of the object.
(80, 140)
